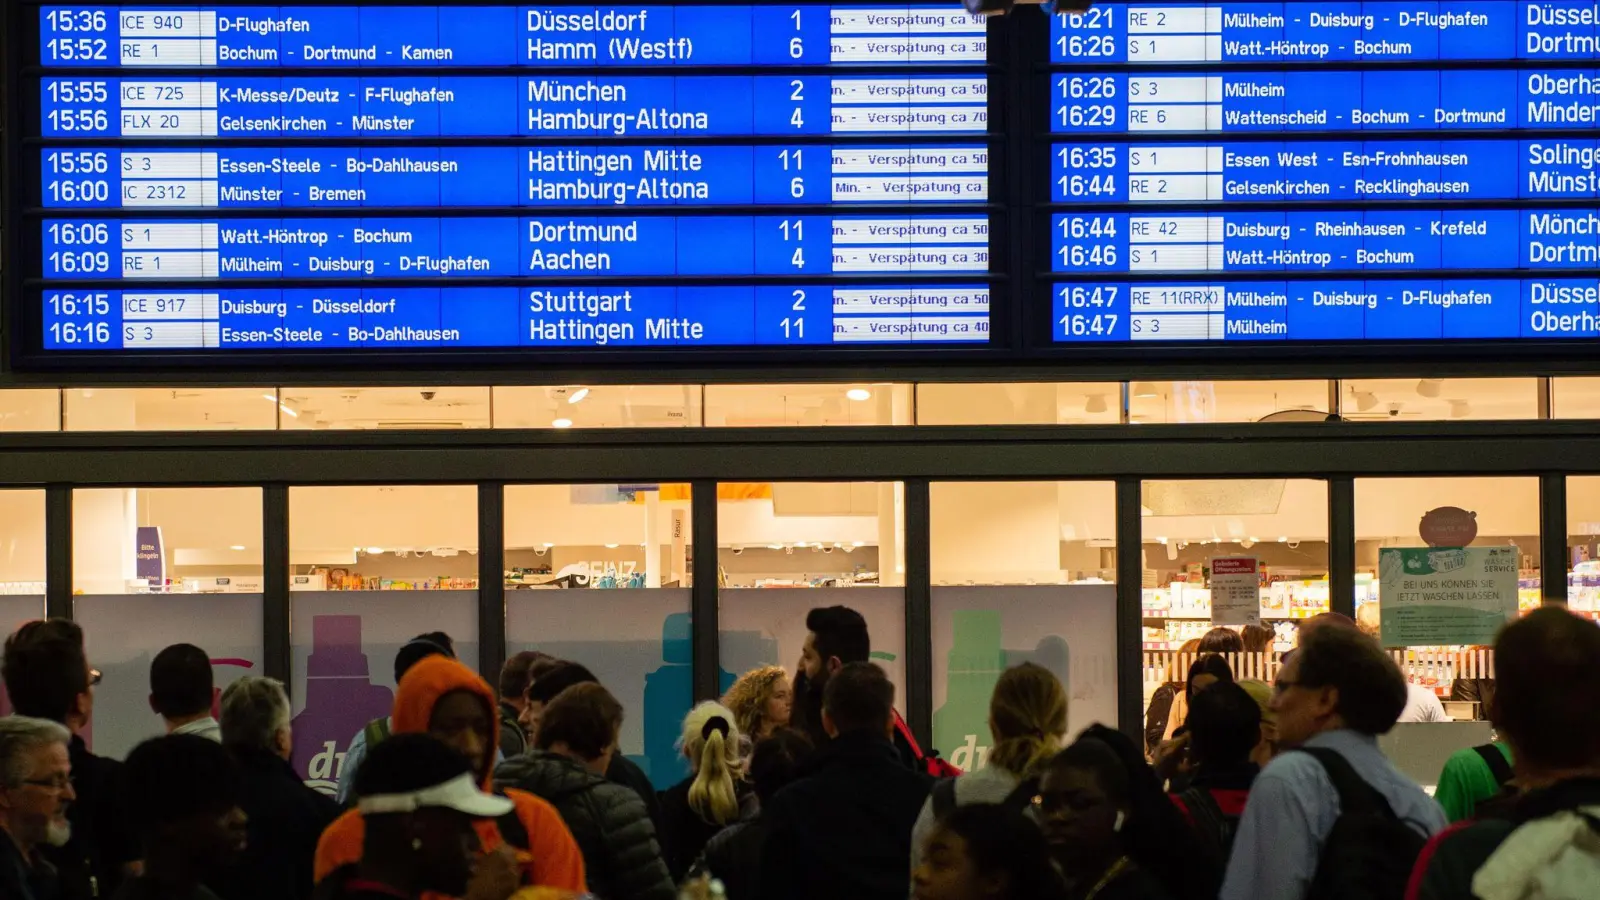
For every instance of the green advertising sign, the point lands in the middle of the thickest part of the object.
(1446, 595)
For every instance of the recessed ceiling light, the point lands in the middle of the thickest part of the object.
(578, 395)
(373, 551)
(237, 547)
(548, 545)
(612, 546)
(561, 423)
(858, 394)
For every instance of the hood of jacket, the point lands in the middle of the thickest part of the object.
(426, 683)
(549, 775)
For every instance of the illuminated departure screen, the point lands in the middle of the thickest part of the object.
(1324, 171)
(573, 177)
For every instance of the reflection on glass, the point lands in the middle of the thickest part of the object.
(598, 406)
(1170, 402)
(30, 409)
(1583, 545)
(365, 409)
(22, 561)
(170, 409)
(1019, 404)
(1435, 399)
(810, 405)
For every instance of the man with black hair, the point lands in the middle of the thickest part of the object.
(547, 683)
(1333, 697)
(47, 676)
(180, 691)
(183, 801)
(1224, 726)
(420, 804)
(1546, 706)
(835, 637)
(844, 828)
(419, 648)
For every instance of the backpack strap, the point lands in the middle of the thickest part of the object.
(1356, 796)
(944, 797)
(905, 733)
(1496, 761)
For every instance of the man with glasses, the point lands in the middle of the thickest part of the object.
(1337, 693)
(35, 792)
(48, 677)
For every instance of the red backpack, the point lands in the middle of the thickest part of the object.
(931, 764)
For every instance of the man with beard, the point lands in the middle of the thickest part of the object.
(835, 637)
(35, 791)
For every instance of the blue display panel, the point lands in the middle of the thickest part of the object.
(1327, 240)
(1326, 310)
(776, 34)
(1325, 100)
(655, 175)
(167, 318)
(1300, 31)
(556, 246)
(504, 106)
(1312, 171)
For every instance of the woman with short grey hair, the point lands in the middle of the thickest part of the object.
(286, 817)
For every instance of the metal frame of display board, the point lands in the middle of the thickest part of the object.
(1336, 453)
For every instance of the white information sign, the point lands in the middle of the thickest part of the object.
(1235, 590)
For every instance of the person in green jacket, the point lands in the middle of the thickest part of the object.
(1472, 777)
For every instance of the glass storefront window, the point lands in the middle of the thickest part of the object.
(1434, 399)
(789, 547)
(598, 406)
(807, 405)
(22, 561)
(371, 567)
(599, 574)
(366, 409)
(1170, 402)
(1022, 571)
(1279, 526)
(170, 409)
(1583, 545)
(1019, 404)
(1575, 398)
(1445, 512)
(154, 567)
(30, 409)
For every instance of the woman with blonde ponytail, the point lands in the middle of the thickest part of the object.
(1028, 721)
(714, 795)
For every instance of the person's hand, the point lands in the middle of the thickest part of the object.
(495, 877)
(1172, 757)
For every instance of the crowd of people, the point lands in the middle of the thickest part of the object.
(807, 785)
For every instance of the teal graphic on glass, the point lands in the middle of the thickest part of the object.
(974, 663)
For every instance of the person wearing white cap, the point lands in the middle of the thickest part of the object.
(418, 799)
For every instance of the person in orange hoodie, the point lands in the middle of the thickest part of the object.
(528, 847)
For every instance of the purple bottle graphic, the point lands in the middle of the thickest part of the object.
(340, 699)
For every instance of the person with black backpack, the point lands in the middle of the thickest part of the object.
(1544, 843)
(1224, 726)
(1331, 817)
(1028, 718)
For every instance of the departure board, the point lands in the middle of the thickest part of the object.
(1318, 172)
(585, 180)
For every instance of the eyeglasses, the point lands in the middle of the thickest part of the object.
(57, 783)
(94, 677)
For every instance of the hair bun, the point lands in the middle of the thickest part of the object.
(715, 723)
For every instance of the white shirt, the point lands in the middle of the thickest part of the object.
(1422, 705)
(206, 728)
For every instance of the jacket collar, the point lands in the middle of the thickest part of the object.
(856, 748)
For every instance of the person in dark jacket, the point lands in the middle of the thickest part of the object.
(835, 637)
(844, 830)
(714, 796)
(35, 791)
(576, 738)
(549, 681)
(183, 795)
(285, 817)
(733, 856)
(47, 676)
(1547, 708)
(1224, 727)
